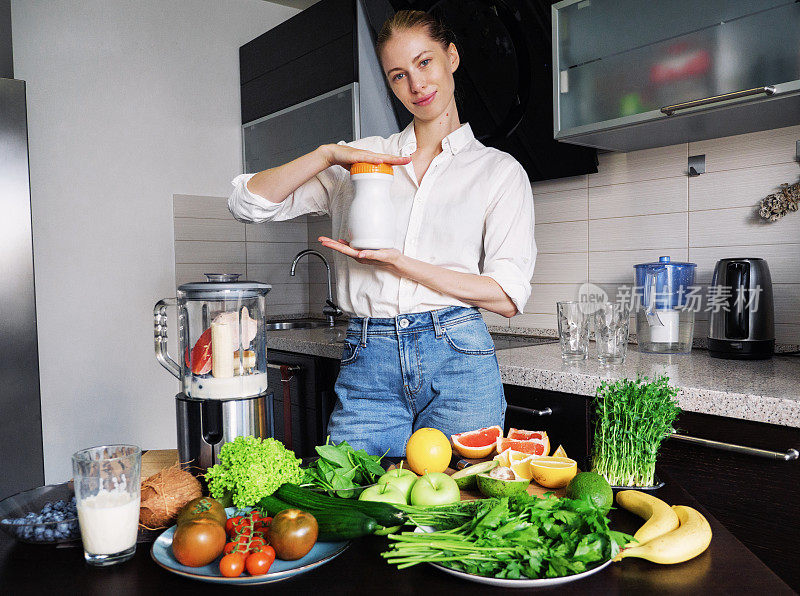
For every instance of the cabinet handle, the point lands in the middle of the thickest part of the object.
(670, 110)
(790, 455)
(531, 412)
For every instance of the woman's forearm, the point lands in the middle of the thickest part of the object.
(277, 183)
(477, 290)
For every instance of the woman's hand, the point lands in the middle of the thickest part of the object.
(345, 156)
(386, 258)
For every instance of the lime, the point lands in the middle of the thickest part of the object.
(592, 486)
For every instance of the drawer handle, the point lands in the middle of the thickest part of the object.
(670, 110)
(530, 411)
(790, 455)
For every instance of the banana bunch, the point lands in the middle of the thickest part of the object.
(669, 535)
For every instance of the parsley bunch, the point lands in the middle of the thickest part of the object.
(516, 538)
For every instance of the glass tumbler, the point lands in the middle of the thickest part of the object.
(107, 492)
(573, 331)
(611, 323)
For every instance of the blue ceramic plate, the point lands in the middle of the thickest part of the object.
(319, 555)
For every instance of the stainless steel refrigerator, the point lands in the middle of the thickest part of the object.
(21, 460)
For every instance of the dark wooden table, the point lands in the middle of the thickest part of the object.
(727, 567)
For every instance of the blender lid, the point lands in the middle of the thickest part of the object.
(662, 261)
(223, 285)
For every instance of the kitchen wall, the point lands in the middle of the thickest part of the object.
(129, 103)
(641, 205)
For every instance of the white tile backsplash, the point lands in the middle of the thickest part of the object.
(639, 233)
(569, 205)
(635, 166)
(570, 236)
(667, 195)
(642, 205)
(637, 207)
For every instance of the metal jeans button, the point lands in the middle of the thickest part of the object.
(403, 323)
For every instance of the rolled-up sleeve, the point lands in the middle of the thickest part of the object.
(508, 243)
(314, 196)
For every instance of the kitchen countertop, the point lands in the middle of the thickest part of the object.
(761, 391)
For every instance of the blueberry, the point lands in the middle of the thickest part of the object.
(48, 534)
(47, 507)
(30, 515)
(59, 516)
(63, 528)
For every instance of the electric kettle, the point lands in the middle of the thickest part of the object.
(741, 322)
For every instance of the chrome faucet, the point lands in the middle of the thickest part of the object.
(330, 310)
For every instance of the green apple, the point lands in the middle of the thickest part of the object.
(383, 493)
(401, 478)
(435, 488)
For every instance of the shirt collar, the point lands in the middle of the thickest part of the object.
(454, 142)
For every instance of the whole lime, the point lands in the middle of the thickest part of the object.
(592, 486)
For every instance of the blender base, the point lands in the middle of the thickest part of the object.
(205, 425)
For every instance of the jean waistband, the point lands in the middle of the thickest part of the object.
(412, 322)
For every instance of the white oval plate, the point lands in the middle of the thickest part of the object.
(546, 582)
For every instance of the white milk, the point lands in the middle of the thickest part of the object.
(109, 522)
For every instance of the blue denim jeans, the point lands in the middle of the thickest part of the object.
(433, 369)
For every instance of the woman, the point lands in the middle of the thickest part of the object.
(417, 352)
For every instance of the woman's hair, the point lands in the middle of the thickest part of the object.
(409, 19)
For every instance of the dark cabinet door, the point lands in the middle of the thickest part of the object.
(755, 498)
(303, 57)
(310, 388)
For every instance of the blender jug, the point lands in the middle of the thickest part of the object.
(222, 367)
(664, 324)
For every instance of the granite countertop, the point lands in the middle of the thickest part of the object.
(761, 391)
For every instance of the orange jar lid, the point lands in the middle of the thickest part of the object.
(371, 168)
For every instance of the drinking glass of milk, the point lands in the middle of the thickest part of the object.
(107, 485)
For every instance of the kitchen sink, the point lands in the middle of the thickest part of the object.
(297, 324)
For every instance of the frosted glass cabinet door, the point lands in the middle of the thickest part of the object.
(283, 136)
(622, 58)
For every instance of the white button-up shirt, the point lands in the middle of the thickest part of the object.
(473, 212)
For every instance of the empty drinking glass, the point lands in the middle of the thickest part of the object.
(573, 331)
(611, 322)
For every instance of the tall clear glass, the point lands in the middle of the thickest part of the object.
(573, 331)
(107, 491)
(611, 325)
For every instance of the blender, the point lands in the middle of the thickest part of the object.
(222, 368)
(664, 319)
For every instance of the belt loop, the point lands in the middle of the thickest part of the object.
(364, 325)
(436, 325)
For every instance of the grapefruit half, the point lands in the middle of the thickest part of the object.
(477, 443)
(535, 446)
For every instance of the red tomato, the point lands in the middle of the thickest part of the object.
(258, 563)
(292, 534)
(257, 543)
(231, 523)
(232, 565)
(201, 354)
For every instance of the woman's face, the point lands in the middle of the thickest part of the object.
(420, 72)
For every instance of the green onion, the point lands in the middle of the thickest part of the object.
(632, 418)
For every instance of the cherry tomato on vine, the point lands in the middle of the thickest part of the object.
(258, 563)
(232, 565)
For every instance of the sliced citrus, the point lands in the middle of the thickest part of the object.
(538, 446)
(519, 463)
(477, 443)
(505, 457)
(526, 435)
(552, 472)
(560, 452)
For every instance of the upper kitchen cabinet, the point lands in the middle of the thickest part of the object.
(313, 79)
(632, 74)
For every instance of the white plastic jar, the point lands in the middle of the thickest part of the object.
(371, 217)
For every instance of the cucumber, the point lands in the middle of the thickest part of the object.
(468, 477)
(383, 513)
(334, 524)
(272, 505)
(343, 525)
